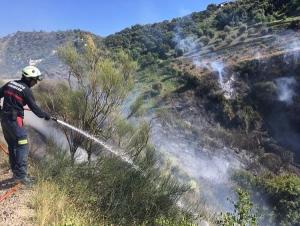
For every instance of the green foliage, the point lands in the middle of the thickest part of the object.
(284, 195)
(199, 32)
(281, 192)
(210, 33)
(248, 117)
(242, 215)
(135, 108)
(212, 7)
(149, 43)
(103, 81)
(116, 192)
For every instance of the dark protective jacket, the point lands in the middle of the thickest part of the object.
(16, 95)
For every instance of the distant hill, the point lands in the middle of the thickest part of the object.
(216, 28)
(39, 48)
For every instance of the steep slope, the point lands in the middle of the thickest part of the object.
(220, 56)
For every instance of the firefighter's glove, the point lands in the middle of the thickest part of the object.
(47, 116)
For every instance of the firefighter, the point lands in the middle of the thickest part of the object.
(16, 95)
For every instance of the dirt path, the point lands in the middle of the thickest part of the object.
(17, 209)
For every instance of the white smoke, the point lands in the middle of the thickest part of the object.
(225, 82)
(289, 42)
(285, 89)
(219, 67)
(48, 129)
(209, 170)
(186, 44)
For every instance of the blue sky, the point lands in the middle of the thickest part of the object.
(100, 17)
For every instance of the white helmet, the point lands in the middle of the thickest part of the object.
(32, 72)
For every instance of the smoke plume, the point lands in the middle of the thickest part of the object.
(285, 91)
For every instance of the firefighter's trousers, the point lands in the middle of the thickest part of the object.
(16, 138)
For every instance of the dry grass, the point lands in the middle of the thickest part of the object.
(53, 207)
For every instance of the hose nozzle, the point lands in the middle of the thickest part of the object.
(54, 119)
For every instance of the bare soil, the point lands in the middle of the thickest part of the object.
(17, 209)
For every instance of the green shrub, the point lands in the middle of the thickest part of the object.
(248, 116)
(282, 193)
(210, 33)
(199, 32)
(114, 190)
(242, 215)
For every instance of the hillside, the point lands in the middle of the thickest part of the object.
(39, 48)
(216, 29)
(220, 91)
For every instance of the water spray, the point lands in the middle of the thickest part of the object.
(91, 137)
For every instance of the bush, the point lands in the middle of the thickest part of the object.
(179, 53)
(248, 117)
(212, 7)
(157, 86)
(222, 35)
(199, 32)
(204, 40)
(282, 193)
(242, 212)
(114, 190)
(227, 28)
(210, 33)
(243, 28)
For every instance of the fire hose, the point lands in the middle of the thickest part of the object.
(13, 189)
